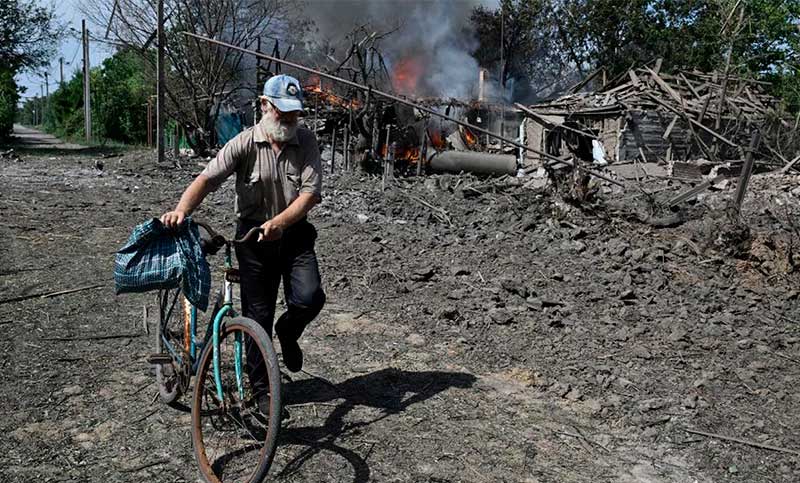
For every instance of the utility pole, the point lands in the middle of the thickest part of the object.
(61, 70)
(160, 85)
(46, 93)
(87, 98)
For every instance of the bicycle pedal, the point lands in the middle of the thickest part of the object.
(159, 358)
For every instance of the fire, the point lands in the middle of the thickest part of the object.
(469, 137)
(406, 75)
(314, 90)
(401, 153)
(437, 139)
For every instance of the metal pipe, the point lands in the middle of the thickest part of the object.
(474, 162)
(408, 103)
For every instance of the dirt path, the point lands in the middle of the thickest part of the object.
(29, 138)
(452, 357)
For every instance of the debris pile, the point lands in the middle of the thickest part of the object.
(688, 123)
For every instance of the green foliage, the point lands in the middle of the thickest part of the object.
(8, 101)
(65, 110)
(29, 34)
(761, 36)
(119, 94)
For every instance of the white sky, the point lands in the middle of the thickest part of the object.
(68, 12)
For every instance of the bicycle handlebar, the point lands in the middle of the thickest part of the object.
(249, 234)
(219, 240)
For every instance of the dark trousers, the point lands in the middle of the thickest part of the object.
(262, 266)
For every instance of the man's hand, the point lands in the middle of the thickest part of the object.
(270, 231)
(173, 219)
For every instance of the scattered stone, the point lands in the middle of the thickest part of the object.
(501, 316)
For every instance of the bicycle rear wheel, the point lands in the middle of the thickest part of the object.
(232, 439)
(172, 376)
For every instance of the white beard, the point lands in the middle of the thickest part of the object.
(278, 131)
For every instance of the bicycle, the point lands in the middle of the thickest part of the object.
(228, 425)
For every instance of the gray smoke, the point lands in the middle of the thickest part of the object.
(434, 40)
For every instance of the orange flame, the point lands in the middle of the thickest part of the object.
(314, 90)
(469, 137)
(406, 74)
(437, 139)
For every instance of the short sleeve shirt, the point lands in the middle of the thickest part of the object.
(266, 182)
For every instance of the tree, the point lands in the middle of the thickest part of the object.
(200, 76)
(526, 52)
(29, 34)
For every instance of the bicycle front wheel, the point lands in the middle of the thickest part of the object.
(234, 437)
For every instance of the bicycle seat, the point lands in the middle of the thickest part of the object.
(232, 275)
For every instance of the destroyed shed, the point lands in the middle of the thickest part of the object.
(687, 122)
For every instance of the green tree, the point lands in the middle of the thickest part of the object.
(516, 41)
(120, 89)
(120, 94)
(29, 34)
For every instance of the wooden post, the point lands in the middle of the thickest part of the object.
(160, 85)
(347, 153)
(388, 159)
(87, 98)
(744, 177)
(149, 123)
(333, 149)
(176, 149)
(423, 148)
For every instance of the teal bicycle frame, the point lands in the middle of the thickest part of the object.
(226, 310)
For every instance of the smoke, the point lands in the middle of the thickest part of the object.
(430, 52)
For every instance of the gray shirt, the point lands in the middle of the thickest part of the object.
(267, 183)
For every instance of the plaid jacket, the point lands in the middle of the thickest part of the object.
(156, 257)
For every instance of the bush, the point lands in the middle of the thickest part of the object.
(8, 102)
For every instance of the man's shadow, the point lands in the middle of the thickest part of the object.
(390, 390)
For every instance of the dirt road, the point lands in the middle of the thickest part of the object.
(499, 337)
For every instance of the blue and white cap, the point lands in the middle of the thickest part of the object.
(284, 92)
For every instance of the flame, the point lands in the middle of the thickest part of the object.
(437, 139)
(401, 153)
(470, 138)
(314, 90)
(406, 75)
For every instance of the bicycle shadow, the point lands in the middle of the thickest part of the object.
(391, 390)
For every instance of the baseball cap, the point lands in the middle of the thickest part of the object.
(284, 92)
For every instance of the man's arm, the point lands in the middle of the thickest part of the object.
(273, 229)
(190, 200)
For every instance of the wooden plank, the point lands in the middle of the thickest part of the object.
(704, 128)
(689, 85)
(542, 120)
(691, 193)
(634, 78)
(666, 134)
(661, 83)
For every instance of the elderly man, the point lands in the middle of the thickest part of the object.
(278, 180)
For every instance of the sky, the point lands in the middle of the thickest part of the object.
(69, 13)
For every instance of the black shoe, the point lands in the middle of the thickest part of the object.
(292, 355)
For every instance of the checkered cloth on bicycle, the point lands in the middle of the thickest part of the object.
(156, 257)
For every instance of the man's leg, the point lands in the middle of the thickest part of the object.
(303, 290)
(259, 290)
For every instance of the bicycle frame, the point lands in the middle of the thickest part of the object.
(211, 335)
